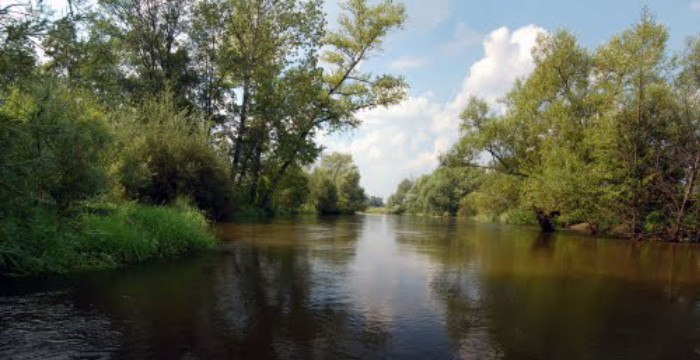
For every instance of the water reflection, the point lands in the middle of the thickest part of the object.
(372, 287)
(524, 295)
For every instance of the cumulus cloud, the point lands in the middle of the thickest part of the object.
(507, 56)
(405, 140)
(408, 62)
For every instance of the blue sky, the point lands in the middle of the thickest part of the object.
(450, 49)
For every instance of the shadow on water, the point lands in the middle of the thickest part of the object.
(371, 286)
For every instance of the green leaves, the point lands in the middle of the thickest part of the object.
(593, 135)
(335, 186)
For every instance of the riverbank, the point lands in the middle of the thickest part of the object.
(42, 242)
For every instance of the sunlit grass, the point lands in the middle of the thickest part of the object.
(130, 233)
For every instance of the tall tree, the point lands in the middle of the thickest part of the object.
(330, 97)
(152, 35)
(637, 100)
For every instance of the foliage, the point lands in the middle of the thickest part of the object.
(608, 137)
(51, 139)
(440, 193)
(43, 242)
(375, 201)
(217, 101)
(162, 154)
(397, 201)
(335, 186)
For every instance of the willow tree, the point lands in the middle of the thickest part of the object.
(609, 137)
(540, 137)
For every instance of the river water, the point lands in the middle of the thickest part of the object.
(371, 287)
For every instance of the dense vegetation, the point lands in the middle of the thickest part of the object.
(115, 114)
(609, 137)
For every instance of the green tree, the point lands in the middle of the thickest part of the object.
(335, 185)
(21, 22)
(327, 99)
(51, 147)
(637, 115)
(397, 200)
(152, 38)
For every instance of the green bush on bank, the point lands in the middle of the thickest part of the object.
(42, 242)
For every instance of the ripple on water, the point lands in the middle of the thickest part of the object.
(48, 326)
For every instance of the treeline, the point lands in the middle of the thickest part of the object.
(608, 137)
(117, 108)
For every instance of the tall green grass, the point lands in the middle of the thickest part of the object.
(46, 243)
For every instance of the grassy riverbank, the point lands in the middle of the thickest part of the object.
(43, 242)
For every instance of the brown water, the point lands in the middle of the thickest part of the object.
(367, 287)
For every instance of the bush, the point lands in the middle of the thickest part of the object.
(45, 243)
(51, 141)
(519, 216)
(162, 154)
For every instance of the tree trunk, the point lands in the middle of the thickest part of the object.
(545, 220)
(256, 166)
(677, 229)
(238, 143)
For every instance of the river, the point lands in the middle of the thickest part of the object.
(371, 287)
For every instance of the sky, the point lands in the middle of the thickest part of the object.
(451, 49)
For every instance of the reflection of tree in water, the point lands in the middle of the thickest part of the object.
(456, 283)
(271, 300)
(280, 292)
(531, 297)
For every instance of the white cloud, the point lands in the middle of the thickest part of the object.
(464, 36)
(408, 62)
(695, 5)
(406, 139)
(507, 57)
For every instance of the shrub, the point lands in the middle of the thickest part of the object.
(42, 242)
(519, 216)
(162, 154)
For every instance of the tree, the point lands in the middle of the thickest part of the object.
(375, 201)
(50, 149)
(638, 112)
(683, 195)
(21, 22)
(151, 35)
(397, 200)
(606, 138)
(328, 99)
(438, 193)
(335, 185)
(541, 136)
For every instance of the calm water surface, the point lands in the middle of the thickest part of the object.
(371, 287)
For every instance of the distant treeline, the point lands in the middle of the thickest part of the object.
(607, 137)
(213, 103)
